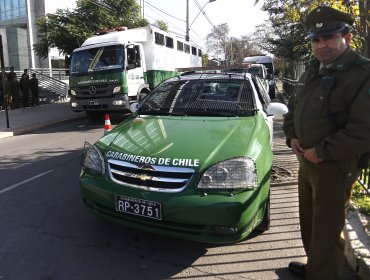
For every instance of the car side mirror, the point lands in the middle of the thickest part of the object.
(277, 109)
(134, 106)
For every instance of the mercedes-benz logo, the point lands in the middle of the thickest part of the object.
(92, 90)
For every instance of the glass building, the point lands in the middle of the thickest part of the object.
(19, 31)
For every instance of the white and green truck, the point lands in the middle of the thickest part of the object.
(110, 70)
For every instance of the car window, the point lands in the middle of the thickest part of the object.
(217, 97)
(262, 94)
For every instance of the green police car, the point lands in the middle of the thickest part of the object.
(193, 161)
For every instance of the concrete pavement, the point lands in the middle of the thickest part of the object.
(25, 120)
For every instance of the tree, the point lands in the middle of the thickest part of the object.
(238, 48)
(68, 29)
(230, 50)
(287, 37)
(161, 25)
(216, 40)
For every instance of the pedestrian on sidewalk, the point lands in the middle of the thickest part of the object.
(2, 91)
(34, 86)
(24, 83)
(328, 128)
(13, 89)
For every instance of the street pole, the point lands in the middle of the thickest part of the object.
(187, 16)
(3, 81)
(187, 20)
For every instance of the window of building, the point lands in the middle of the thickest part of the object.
(159, 38)
(169, 42)
(12, 9)
(187, 48)
(199, 52)
(180, 46)
(193, 50)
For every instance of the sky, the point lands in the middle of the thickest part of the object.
(241, 16)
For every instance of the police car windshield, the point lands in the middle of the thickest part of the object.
(211, 97)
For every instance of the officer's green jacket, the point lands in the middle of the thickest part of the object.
(335, 121)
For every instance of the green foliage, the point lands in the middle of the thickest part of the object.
(204, 59)
(286, 35)
(68, 29)
(161, 25)
(361, 199)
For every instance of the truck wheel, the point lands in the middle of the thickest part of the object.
(95, 116)
(265, 224)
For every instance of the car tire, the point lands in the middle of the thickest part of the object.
(265, 223)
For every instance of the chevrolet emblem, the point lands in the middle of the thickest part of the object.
(144, 177)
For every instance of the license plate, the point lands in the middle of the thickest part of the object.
(139, 207)
(92, 102)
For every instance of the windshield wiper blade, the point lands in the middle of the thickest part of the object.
(211, 112)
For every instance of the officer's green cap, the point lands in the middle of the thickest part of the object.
(325, 20)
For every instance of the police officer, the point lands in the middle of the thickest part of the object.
(328, 128)
(24, 83)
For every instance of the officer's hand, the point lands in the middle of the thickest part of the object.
(310, 155)
(296, 147)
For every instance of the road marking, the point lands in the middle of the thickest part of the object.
(25, 181)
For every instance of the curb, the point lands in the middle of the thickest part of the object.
(19, 131)
(357, 244)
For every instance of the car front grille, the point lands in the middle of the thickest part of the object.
(149, 177)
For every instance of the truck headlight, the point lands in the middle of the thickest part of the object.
(117, 89)
(92, 158)
(72, 92)
(237, 173)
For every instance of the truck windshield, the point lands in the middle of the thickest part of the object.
(97, 59)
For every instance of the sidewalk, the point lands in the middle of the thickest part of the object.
(24, 120)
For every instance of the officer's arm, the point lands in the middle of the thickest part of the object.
(354, 138)
(288, 125)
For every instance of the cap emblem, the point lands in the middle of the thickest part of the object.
(319, 24)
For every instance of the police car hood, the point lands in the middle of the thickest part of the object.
(195, 142)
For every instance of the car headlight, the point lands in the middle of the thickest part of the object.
(237, 173)
(92, 158)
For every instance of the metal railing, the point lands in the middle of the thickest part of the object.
(51, 89)
(364, 179)
(288, 88)
(56, 73)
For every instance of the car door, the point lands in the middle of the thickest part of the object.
(135, 69)
(264, 99)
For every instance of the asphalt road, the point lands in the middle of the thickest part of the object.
(46, 233)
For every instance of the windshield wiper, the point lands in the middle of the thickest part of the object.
(212, 112)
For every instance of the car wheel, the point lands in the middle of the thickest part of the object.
(265, 224)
